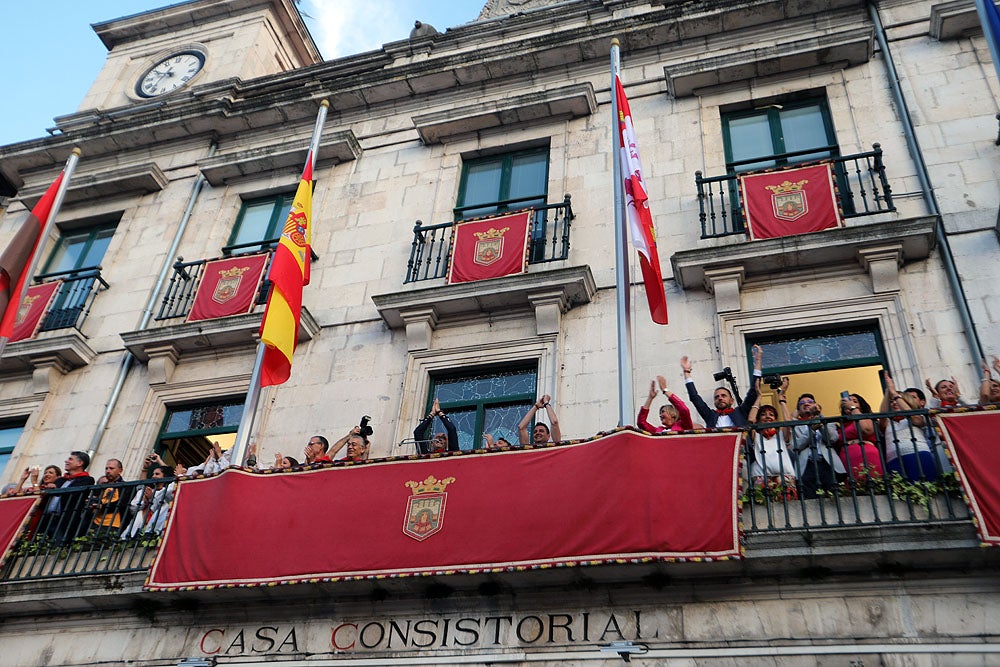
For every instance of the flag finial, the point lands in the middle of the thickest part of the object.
(76, 151)
(615, 42)
(325, 104)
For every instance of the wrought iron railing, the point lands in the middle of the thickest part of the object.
(432, 243)
(805, 475)
(181, 289)
(862, 189)
(91, 530)
(75, 298)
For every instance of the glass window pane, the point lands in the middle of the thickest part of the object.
(98, 246)
(482, 182)
(501, 422)
(68, 253)
(528, 178)
(838, 347)
(253, 225)
(750, 137)
(465, 423)
(203, 417)
(803, 128)
(485, 386)
(9, 435)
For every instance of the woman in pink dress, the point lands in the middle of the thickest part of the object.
(859, 452)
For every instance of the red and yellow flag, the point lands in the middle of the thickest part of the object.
(16, 258)
(279, 330)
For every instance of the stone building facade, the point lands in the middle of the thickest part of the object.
(509, 110)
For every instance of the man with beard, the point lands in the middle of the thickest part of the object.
(725, 412)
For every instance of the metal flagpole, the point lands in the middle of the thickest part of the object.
(29, 272)
(622, 281)
(247, 420)
(984, 20)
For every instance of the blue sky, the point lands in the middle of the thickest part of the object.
(53, 54)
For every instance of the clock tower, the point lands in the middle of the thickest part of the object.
(170, 51)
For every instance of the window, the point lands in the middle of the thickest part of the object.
(826, 363)
(802, 128)
(188, 431)
(75, 260)
(485, 401)
(10, 433)
(259, 223)
(503, 183)
(779, 135)
(507, 182)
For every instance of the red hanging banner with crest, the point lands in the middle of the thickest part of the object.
(557, 505)
(973, 438)
(789, 201)
(490, 247)
(227, 287)
(31, 311)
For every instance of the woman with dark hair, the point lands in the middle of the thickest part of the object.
(907, 451)
(859, 452)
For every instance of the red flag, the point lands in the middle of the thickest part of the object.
(289, 273)
(640, 220)
(16, 258)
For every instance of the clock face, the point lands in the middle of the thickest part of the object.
(170, 73)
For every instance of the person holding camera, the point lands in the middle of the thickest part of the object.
(356, 442)
(440, 442)
(726, 411)
(815, 444)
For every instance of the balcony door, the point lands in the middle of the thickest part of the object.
(775, 136)
(77, 255)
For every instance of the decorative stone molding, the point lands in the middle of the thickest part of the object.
(829, 248)
(950, 20)
(882, 263)
(138, 179)
(336, 147)
(835, 49)
(420, 324)
(162, 348)
(725, 284)
(547, 293)
(48, 356)
(555, 103)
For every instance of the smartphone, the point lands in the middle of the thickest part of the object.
(845, 395)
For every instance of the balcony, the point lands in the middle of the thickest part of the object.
(74, 299)
(106, 529)
(432, 244)
(863, 190)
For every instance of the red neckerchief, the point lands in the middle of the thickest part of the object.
(82, 473)
(725, 411)
(768, 432)
(949, 404)
(898, 419)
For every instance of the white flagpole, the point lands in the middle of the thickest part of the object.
(622, 281)
(247, 420)
(29, 271)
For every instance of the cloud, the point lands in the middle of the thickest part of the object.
(346, 27)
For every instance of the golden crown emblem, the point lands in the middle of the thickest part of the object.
(30, 299)
(430, 485)
(787, 186)
(233, 272)
(492, 233)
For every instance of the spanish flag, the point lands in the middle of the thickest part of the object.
(279, 330)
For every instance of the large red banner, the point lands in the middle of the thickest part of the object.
(622, 496)
(789, 201)
(490, 247)
(33, 308)
(13, 517)
(227, 287)
(974, 442)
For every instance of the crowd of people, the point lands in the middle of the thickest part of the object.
(803, 453)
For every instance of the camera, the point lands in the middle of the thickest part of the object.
(725, 374)
(773, 380)
(366, 430)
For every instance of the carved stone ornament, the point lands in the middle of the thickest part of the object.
(495, 8)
